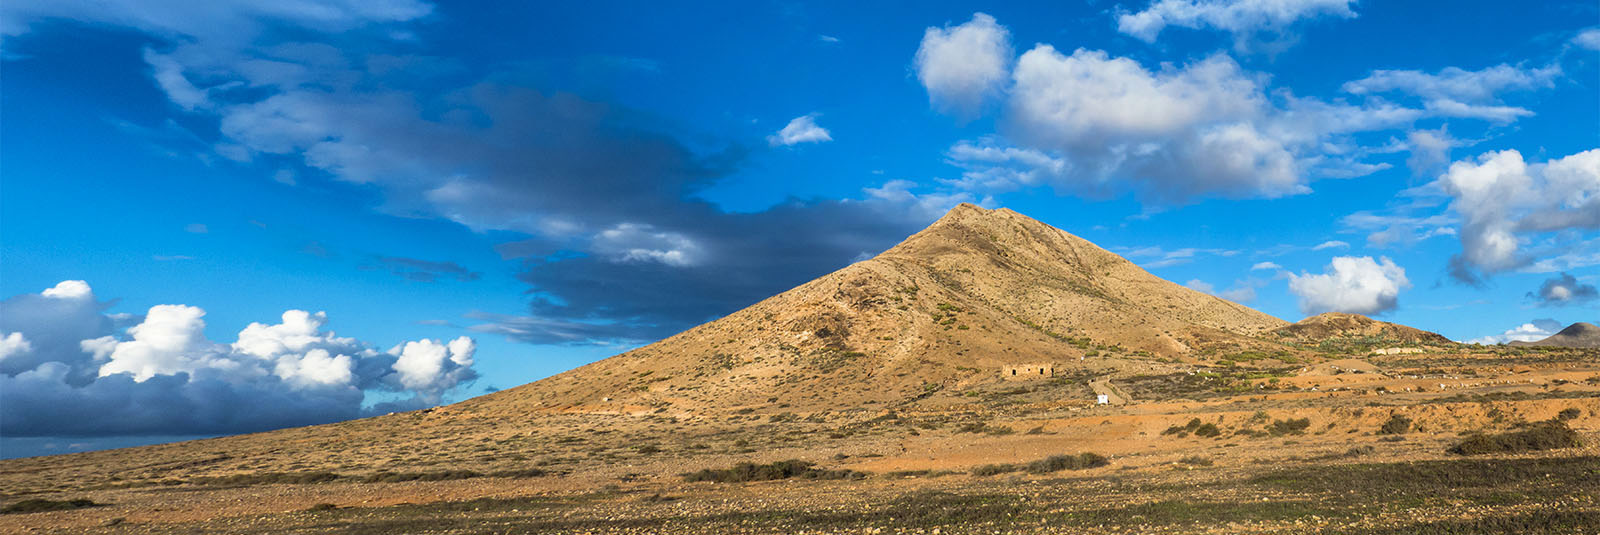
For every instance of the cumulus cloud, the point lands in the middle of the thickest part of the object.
(1245, 19)
(1358, 285)
(802, 129)
(1564, 290)
(962, 66)
(1111, 119)
(67, 369)
(1533, 331)
(1092, 124)
(1504, 201)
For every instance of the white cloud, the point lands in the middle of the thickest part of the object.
(65, 369)
(964, 65)
(1503, 200)
(70, 289)
(1534, 331)
(432, 366)
(169, 76)
(14, 344)
(1331, 244)
(1265, 265)
(923, 206)
(1243, 18)
(1430, 150)
(1114, 120)
(634, 242)
(1088, 123)
(1456, 92)
(1588, 39)
(802, 129)
(1454, 83)
(1243, 291)
(1165, 258)
(171, 340)
(1200, 286)
(1241, 294)
(1357, 285)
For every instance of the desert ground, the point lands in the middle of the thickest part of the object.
(913, 469)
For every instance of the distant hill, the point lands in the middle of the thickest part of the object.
(1332, 325)
(1579, 334)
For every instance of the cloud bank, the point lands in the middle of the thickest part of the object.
(68, 369)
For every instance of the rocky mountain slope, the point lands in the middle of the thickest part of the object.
(976, 294)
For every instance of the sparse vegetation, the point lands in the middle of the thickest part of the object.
(1289, 427)
(792, 468)
(1542, 436)
(1397, 425)
(38, 505)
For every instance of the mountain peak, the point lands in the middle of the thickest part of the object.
(976, 292)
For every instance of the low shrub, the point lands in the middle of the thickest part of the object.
(1397, 425)
(1569, 414)
(1289, 427)
(1057, 463)
(995, 469)
(41, 505)
(792, 468)
(1550, 435)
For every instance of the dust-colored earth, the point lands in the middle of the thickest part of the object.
(894, 378)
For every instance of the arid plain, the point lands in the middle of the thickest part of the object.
(991, 374)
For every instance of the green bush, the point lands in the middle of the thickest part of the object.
(1549, 435)
(1569, 414)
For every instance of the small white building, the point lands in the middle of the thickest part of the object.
(1102, 399)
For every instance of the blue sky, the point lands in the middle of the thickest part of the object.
(554, 184)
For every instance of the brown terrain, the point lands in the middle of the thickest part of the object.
(947, 385)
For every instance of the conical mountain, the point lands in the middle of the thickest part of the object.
(951, 306)
(1580, 334)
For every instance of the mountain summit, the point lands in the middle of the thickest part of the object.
(977, 292)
